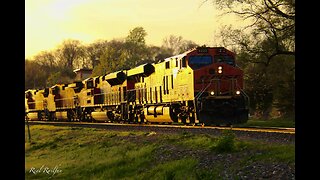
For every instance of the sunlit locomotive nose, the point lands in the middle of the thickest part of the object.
(218, 96)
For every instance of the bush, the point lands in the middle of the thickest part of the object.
(225, 143)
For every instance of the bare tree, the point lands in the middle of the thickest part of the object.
(177, 45)
(46, 59)
(272, 21)
(69, 53)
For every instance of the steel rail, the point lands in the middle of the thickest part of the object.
(251, 129)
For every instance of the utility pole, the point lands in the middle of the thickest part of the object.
(29, 135)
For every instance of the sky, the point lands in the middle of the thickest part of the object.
(49, 22)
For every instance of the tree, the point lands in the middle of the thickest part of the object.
(173, 43)
(272, 21)
(111, 58)
(158, 53)
(93, 52)
(137, 36)
(262, 46)
(59, 78)
(46, 59)
(69, 53)
(35, 75)
(177, 45)
(135, 50)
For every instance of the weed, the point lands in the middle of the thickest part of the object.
(225, 143)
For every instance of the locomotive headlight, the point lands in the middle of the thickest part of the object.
(220, 69)
(212, 93)
(237, 92)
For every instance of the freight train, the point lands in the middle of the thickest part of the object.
(201, 86)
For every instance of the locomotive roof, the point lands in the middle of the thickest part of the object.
(179, 55)
(139, 69)
(112, 75)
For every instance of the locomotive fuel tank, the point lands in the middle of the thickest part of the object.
(33, 116)
(157, 114)
(100, 116)
(62, 115)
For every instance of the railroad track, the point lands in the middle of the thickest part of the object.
(137, 126)
(272, 135)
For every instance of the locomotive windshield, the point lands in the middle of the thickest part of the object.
(224, 59)
(196, 62)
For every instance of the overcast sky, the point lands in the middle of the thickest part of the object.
(49, 22)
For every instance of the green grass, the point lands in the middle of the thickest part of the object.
(277, 122)
(86, 153)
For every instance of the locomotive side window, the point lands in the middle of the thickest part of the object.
(119, 94)
(171, 81)
(151, 95)
(184, 62)
(79, 86)
(89, 84)
(124, 93)
(46, 92)
(167, 87)
(196, 62)
(160, 92)
(55, 90)
(97, 81)
(164, 85)
(167, 64)
(224, 59)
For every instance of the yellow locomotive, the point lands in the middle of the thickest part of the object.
(202, 85)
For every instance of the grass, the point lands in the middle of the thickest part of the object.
(86, 153)
(276, 122)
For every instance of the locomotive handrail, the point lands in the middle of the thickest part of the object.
(230, 91)
(130, 96)
(245, 95)
(60, 99)
(202, 91)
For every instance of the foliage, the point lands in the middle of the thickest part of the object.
(266, 51)
(274, 122)
(92, 53)
(36, 76)
(60, 77)
(226, 142)
(177, 45)
(135, 50)
(110, 59)
(69, 53)
(50, 67)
